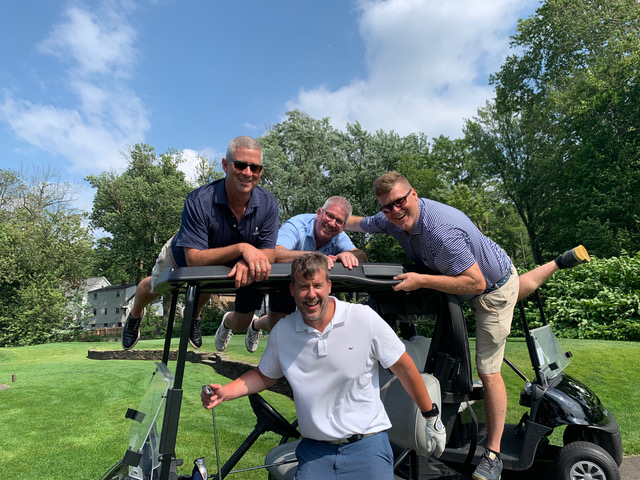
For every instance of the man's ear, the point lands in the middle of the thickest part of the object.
(291, 288)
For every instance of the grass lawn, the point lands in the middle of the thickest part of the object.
(64, 417)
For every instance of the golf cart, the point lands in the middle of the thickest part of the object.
(592, 442)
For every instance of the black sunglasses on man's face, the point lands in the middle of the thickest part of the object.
(388, 208)
(241, 166)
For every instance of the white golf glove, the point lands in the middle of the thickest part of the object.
(436, 435)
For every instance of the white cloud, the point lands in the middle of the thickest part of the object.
(191, 159)
(427, 62)
(98, 43)
(104, 114)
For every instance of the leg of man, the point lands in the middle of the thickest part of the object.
(281, 304)
(144, 296)
(239, 320)
(131, 328)
(268, 321)
(531, 280)
(495, 408)
(494, 312)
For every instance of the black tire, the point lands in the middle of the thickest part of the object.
(582, 460)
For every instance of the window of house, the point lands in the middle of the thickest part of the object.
(118, 294)
(95, 295)
(104, 312)
(95, 312)
(117, 310)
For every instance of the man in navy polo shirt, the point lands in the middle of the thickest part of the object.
(230, 222)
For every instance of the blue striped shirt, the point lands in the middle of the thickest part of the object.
(445, 240)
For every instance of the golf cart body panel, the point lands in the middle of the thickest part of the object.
(552, 398)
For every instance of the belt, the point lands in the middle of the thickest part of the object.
(352, 439)
(499, 283)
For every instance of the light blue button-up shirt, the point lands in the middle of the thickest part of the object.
(297, 234)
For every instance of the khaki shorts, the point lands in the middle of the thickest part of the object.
(164, 261)
(494, 313)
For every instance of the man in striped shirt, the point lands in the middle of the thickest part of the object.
(465, 263)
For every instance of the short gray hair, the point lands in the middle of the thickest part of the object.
(340, 202)
(243, 141)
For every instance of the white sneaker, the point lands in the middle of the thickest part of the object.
(223, 334)
(253, 337)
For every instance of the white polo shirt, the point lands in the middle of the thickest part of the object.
(334, 374)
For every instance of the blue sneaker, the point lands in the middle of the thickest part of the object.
(489, 468)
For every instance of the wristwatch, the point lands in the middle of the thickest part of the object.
(431, 413)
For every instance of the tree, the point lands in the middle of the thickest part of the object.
(574, 91)
(46, 249)
(139, 210)
(297, 153)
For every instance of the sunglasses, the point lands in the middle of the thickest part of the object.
(241, 166)
(388, 208)
(330, 217)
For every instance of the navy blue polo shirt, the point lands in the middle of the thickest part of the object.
(208, 222)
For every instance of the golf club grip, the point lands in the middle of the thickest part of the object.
(208, 390)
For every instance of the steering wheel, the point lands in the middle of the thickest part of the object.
(269, 419)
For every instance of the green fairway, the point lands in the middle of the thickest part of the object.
(64, 416)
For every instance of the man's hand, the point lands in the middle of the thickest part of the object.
(253, 267)
(408, 282)
(436, 436)
(348, 259)
(210, 401)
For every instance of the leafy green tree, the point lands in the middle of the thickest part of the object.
(139, 210)
(574, 91)
(296, 155)
(498, 145)
(46, 249)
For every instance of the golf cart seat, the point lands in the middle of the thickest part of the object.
(407, 433)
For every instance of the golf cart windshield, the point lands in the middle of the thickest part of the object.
(147, 420)
(551, 357)
(142, 459)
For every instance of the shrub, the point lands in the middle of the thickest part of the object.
(599, 300)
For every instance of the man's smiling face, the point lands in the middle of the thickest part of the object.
(312, 296)
(406, 215)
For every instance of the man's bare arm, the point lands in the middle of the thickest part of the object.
(471, 281)
(353, 224)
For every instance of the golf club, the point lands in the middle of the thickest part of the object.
(209, 391)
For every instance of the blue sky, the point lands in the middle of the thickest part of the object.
(80, 81)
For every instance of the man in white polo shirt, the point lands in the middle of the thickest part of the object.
(329, 352)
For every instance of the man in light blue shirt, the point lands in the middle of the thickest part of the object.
(320, 232)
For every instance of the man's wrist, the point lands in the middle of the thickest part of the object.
(431, 413)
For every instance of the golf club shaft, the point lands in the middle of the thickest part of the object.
(215, 440)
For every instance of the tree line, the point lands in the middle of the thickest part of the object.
(551, 162)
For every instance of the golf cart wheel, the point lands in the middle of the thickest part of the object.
(585, 461)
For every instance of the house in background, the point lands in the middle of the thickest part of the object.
(111, 304)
